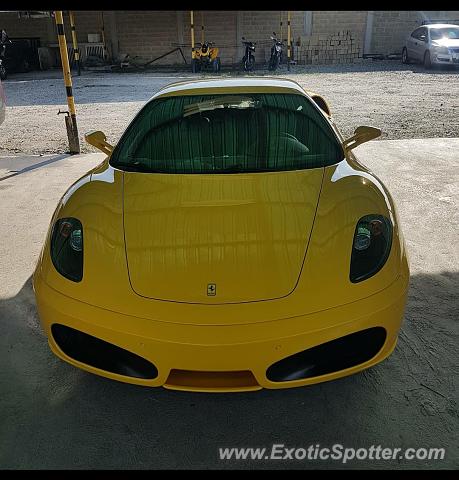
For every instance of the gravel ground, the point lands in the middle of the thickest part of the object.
(404, 100)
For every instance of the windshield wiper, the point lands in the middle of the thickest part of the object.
(137, 167)
(239, 168)
(236, 168)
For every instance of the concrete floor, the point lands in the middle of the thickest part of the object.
(55, 416)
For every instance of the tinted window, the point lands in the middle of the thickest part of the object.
(228, 134)
(415, 34)
(419, 32)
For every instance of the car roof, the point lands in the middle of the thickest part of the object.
(231, 85)
(440, 25)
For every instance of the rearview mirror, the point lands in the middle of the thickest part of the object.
(97, 139)
(361, 135)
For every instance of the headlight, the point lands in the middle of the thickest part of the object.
(442, 50)
(67, 248)
(371, 246)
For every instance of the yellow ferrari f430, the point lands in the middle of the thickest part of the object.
(230, 241)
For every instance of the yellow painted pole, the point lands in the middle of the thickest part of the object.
(70, 120)
(202, 28)
(289, 52)
(103, 35)
(192, 34)
(75, 42)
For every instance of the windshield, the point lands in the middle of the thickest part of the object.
(227, 134)
(448, 33)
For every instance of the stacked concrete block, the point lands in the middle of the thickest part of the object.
(336, 48)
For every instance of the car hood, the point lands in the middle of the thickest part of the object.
(446, 42)
(215, 239)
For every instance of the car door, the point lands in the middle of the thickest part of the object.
(410, 43)
(419, 37)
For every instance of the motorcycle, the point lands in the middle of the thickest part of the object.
(248, 60)
(4, 40)
(276, 53)
(206, 55)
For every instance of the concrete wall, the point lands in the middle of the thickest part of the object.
(331, 22)
(226, 29)
(258, 26)
(87, 22)
(149, 34)
(32, 27)
(220, 27)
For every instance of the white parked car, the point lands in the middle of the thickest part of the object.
(433, 44)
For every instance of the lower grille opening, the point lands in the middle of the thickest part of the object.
(101, 354)
(212, 380)
(339, 354)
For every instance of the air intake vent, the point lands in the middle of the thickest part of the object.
(100, 354)
(339, 354)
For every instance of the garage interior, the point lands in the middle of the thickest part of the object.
(54, 416)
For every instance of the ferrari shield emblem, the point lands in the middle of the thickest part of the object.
(211, 289)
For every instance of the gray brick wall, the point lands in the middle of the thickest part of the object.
(219, 28)
(31, 27)
(334, 21)
(258, 27)
(149, 34)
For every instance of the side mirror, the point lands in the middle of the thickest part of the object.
(97, 139)
(243, 38)
(274, 33)
(361, 135)
(321, 103)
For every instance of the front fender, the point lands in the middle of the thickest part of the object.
(349, 192)
(96, 200)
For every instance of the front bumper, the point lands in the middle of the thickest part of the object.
(222, 358)
(446, 59)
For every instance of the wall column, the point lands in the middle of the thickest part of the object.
(239, 34)
(50, 30)
(307, 26)
(180, 34)
(113, 35)
(368, 33)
